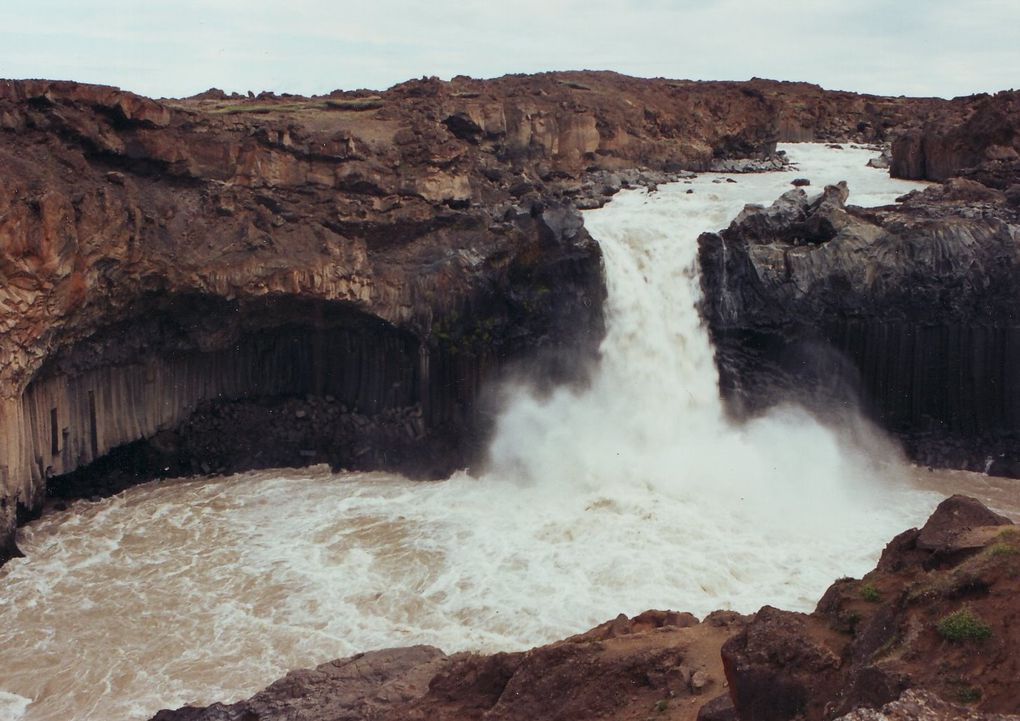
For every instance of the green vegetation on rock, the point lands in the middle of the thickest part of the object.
(870, 594)
(963, 625)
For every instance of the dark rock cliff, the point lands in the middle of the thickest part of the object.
(912, 309)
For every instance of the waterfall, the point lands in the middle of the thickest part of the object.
(634, 493)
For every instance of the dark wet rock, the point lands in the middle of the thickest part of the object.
(748, 165)
(883, 161)
(720, 708)
(908, 311)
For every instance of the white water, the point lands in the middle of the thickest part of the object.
(634, 494)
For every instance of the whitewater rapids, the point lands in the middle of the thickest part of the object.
(633, 494)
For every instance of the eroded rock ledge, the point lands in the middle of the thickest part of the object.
(887, 640)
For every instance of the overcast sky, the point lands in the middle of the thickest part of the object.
(180, 47)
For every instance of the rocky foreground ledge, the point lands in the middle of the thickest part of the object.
(932, 633)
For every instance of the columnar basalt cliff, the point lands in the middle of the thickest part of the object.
(911, 309)
(174, 269)
(223, 282)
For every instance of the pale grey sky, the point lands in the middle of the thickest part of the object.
(180, 47)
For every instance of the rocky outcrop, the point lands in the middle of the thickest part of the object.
(930, 632)
(924, 706)
(807, 113)
(985, 141)
(910, 309)
(658, 664)
(936, 614)
(360, 688)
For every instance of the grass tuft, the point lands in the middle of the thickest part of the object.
(1001, 548)
(968, 694)
(870, 594)
(367, 103)
(963, 625)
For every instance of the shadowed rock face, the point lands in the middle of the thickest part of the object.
(983, 139)
(913, 309)
(910, 310)
(202, 263)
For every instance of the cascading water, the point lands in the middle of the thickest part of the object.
(633, 494)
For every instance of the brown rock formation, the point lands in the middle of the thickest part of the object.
(659, 664)
(938, 613)
(924, 706)
(985, 136)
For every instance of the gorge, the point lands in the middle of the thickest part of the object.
(426, 279)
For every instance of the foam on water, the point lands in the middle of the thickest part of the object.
(634, 494)
(12, 706)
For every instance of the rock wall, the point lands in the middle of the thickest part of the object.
(74, 419)
(807, 113)
(911, 310)
(432, 212)
(985, 136)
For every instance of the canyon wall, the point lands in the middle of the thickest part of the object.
(156, 254)
(170, 265)
(982, 142)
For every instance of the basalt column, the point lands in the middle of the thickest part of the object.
(908, 312)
